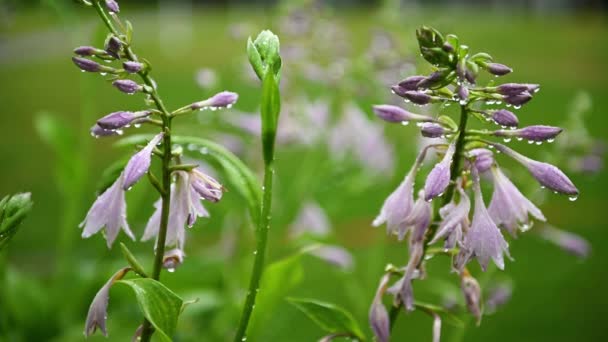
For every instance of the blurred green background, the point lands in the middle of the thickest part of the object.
(48, 275)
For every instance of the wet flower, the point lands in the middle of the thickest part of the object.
(417, 97)
(224, 99)
(110, 211)
(173, 258)
(518, 100)
(113, 46)
(439, 177)
(98, 311)
(397, 114)
(205, 186)
(532, 133)
(87, 64)
(139, 163)
(398, 206)
(509, 208)
(411, 83)
(454, 221)
(97, 131)
(120, 119)
(484, 239)
(504, 117)
(378, 316)
(484, 158)
(511, 88)
(127, 86)
(498, 69)
(432, 130)
(88, 51)
(132, 67)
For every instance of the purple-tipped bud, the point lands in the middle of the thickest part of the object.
(463, 92)
(410, 83)
(469, 76)
(173, 259)
(224, 99)
(418, 97)
(139, 163)
(484, 158)
(397, 114)
(532, 133)
(498, 69)
(519, 99)
(439, 177)
(546, 174)
(378, 316)
(127, 86)
(447, 47)
(533, 88)
(86, 51)
(116, 120)
(113, 46)
(97, 131)
(132, 67)
(112, 6)
(511, 88)
(472, 294)
(432, 130)
(504, 117)
(86, 64)
(431, 80)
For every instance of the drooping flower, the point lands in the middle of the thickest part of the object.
(110, 211)
(398, 206)
(484, 239)
(378, 317)
(139, 163)
(484, 158)
(472, 294)
(173, 258)
(439, 177)
(454, 221)
(205, 186)
(334, 255)
(98, 311)
(509, 208)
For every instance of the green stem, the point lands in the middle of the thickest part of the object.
(147, 329)
(258, 264)
(454, 173)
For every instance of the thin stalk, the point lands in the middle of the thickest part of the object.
(147, 329)
(258, 264)
(454, 172)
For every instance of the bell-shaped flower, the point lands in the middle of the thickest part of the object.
(509, 208)
(110, 211)
(484, 240)
(98, 311)
(205, 186)
(439, 177)
(139, 164)
(378, 316)
(454, 221)
(398, 206)
(483, 158)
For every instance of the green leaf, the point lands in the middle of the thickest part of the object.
(271, 106)
(239, 175)
(13, 209)
(159, 305)
(255, 59)
(329, 317)
(445, 315)
(135, 265)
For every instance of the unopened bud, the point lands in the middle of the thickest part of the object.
(87, 51)
(112, 6)
(506, 118)
(418, 97)
(432, 130)
(396, 114)
(120, 119)
(86, 64)
(484, 158)
(511, 88)
(532, 133)
(132, 67)
(223, 99)
(113, 46)
(519, 99)
(472, 294)
(127, 86)
(498, 69)
(411, 83)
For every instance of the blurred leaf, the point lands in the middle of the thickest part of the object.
(159, 304)
(446, 316)
(238, 173)
(13, 210)
(329, 317)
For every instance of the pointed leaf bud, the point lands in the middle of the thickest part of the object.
(112, 6)
(519, 99)
(418, 97)
(432, 130)
(531, 133)
(498, 69)
(411, 83)
(132, 67)
(86, 64)
(439, 177)
(504, 117)
(127, 86)
(392, 113)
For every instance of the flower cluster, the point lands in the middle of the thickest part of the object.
(443, 211)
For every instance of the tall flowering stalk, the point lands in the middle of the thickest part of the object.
(441, 210)
(182, 187)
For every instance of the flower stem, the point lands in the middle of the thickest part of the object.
(147, 329)
(258, 264)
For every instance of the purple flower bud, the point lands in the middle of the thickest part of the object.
(113, 46)
(472, 295)
(483, 158)
(378, 317)
(469, 76)
(86, 51)
(173, 259)
(439, 177)
(432, 130)
(116, 120)
(431, 80)
(97, 131)
(398, 90)
(463, 93)
(511, 88)
(112, 6)
(205, 186)
(139, 163)
(533, 88)
(224, 99)
(519, 99)
(127, 86)
(98, 311)
(397, 114)
(132, 67)
(532, 133)
(418, 97)
(506, 118)
(86, 64)
(498, 69)
(411, 83)
(546, 174)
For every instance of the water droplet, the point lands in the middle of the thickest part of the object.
(203, 150)
(543, 187)
(255, 252)
(103, 73)
(530, 141)
(406, 100)
(405, 123)
(550, 140)
(516, 106)
(244, 338)
(519, 138)
(419, 124)
(506, 140)
(81, 70)
(573, 198)
(462, 102)
(191, 147)
(539, 143)
(525, 227)
(170, 269)
(137, 125)
(129, 188)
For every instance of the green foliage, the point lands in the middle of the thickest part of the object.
(271, 106)
(13, 210)
(329, 317)
(445, 315)
(159, 305)
(264, 54)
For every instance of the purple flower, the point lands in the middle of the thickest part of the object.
(113, 47)
(399, 90)
(504, 117)
(120, 119)
(127, 86)
(132, 67)
(418, 97)
(533, 88)
(311, 219)
(498, 69)
(110, 211)
(569, 242)
(173, 258)
(398, 205)
(432, 130)
(411, 83)
(463, 93)
(98, 311)
(87, 51)
(509, 208)
(519, 99)
(139, 163)
(378, 317)
(498, 296)
(532, 133)
(334, 255)
(86, 64)
(545, 173)
(224, 99)
(439, 177)
(431, 80)
(454, 220)
(484, 239)
(205, 186)
(484, 158)
(511, 88)
(112, 6)
(397, 114)
(472, 295)
(97, 131)
(470, 76)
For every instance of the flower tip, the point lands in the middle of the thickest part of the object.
(112, 6)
